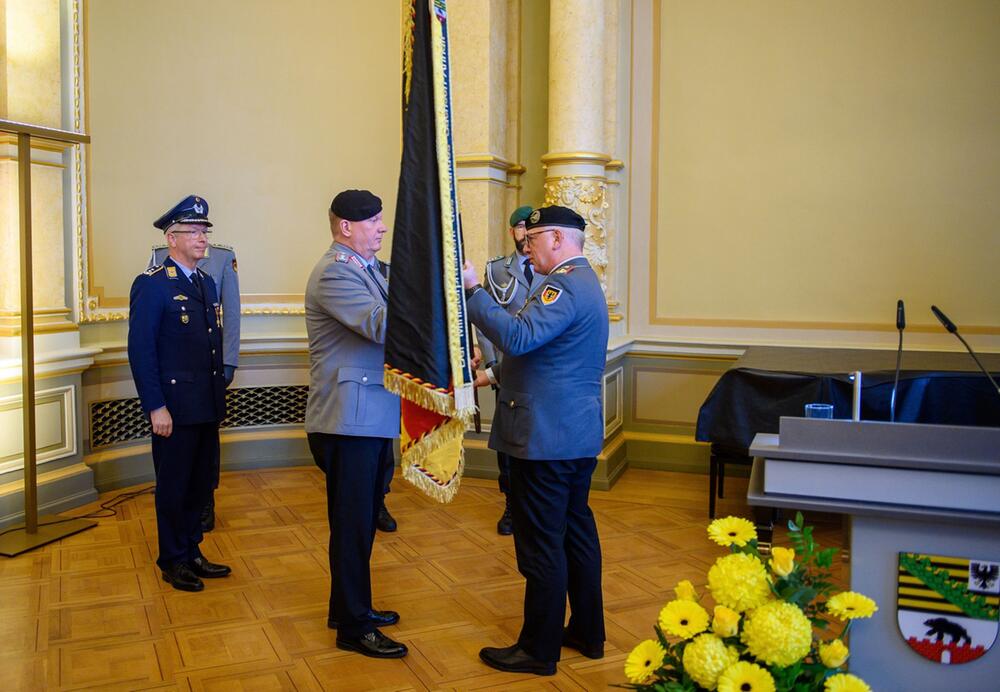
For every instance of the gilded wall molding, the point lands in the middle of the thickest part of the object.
(588, 196)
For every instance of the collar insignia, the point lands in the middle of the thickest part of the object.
(565, 269)
(172, 272)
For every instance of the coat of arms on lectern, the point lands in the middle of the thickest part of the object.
(947, 607)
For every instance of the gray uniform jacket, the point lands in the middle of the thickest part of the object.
(345, 320)
(505, 281)
(555, 348)
(219, 263)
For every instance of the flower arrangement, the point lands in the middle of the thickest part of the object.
(764, 632)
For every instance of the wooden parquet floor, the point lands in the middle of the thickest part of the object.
(91, 612)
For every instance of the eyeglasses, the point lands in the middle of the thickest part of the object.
(197, 233)
(531, 236)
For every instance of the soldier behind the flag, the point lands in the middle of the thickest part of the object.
(219, 262)
(351, 419)
(548, 420)
(510, 280)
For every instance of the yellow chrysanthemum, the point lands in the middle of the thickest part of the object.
(778, 633)
(850, 605)
(845, 682)
(706, 657)
(685, 591)
(833, 654)
(683, 619)
(744, 676)
(732, 531)
(739, 581)
(782, 561)
(643, 660)
(726, 622)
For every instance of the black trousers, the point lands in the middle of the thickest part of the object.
(503, 466)
(183, 464)
(390, 468)
(558, 552)
(355, 473)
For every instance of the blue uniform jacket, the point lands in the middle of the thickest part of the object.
(175, 345)
(549, 402)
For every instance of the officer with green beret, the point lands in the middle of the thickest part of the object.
(509, 280)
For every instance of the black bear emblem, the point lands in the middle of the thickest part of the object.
(942, 626)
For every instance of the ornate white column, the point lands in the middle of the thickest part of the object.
(582, 65)
(485, 68)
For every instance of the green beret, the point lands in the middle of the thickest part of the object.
(520, 214)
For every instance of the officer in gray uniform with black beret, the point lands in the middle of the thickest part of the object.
(219, 262)
(509, 280)
(351, 419)
(549, 421)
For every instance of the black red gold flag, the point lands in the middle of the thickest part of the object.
(427, 346)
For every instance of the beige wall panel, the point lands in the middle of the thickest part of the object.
(817, 161)
(55, 427)
(46, 237)
(31, 71)
(670, 397)
(265, 108)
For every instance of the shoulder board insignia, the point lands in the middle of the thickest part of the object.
(550, 294)
(153, 270)
(180, 296)
(341, 257)
(566, 269)
(494, 259)
(159, 246)
(222, 247)
(171, 272)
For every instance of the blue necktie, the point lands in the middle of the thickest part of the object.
(528, 274)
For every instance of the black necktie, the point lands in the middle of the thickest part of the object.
(196, 280)
(371, 273)
(528, 274)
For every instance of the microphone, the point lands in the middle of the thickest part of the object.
(900, 325)
(950, 326)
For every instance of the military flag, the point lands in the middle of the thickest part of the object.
(428, 346)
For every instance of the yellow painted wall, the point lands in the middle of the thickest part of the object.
(534, 98)
(818, 160)
(265, 108)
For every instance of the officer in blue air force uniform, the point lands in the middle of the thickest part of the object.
(219, 262)
(510, 281)
(175, 353)
(548, 420)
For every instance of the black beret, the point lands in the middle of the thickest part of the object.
(555, 216)
(355, 205)
(191, 209)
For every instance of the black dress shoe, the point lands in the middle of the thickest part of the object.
(209, 570)
(505, 526)
(514, 659)
(374, 644)
(379, 618)
(208, 516)
(589, 650)
(385, 521)
(182, 578)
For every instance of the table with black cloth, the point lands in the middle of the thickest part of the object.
(768, 382)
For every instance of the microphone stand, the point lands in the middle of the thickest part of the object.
(950, 326)
(900, 325)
